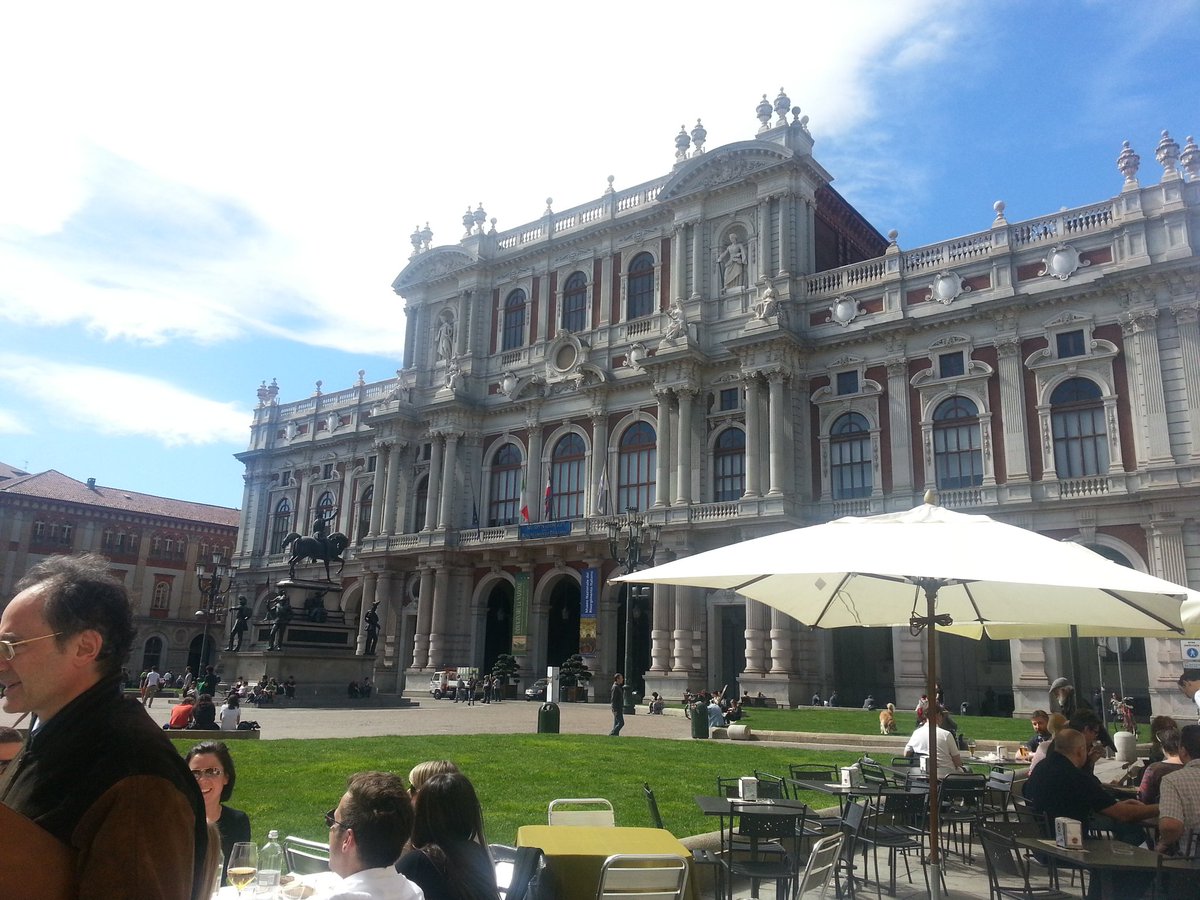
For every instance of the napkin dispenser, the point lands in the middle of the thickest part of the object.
(1068, 833)
(852, 776)
(748, 787)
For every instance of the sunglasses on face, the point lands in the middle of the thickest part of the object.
(331, 822)
(207, 773)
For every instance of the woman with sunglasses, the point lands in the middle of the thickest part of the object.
(213, 769)
(448, 856)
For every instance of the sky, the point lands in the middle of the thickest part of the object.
(195, 199)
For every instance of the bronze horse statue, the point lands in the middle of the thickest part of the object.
(316, 549)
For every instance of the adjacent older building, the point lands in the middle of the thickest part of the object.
(153, 544)
(730, 350)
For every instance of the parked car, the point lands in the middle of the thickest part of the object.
(538, 690)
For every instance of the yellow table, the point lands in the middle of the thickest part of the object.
(576, 853)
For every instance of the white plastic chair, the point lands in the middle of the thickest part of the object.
(600, 814)
(636, 877)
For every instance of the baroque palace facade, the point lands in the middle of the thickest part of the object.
(731, 350)
(153, 545)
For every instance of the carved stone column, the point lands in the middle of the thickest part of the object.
(753, 436)
(600, 461)
(662, 477)
(449, 482)
(392, 493)
(900, 428)
(677, 261)
(777, 418)
(377, 485)
(683, 467)
(781, 643)
(698, 267)
(1012, 407)
(1032, 672)
(438, 637)
(685, 601)
(757, 621)
(1148, 405)
(434, 482)
(424, 620)
(663, 598)
(370, 582)
(784, 227)
(1186, 320)
(535, 485)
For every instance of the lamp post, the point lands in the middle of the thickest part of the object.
(214, 589)
(639, 538)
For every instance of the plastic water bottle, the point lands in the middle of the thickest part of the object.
(270, 865)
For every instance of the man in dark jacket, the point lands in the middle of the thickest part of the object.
(616, 702)
(96, 773)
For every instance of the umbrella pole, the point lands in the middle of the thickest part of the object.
(930, 586)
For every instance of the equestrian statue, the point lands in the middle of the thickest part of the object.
(318, 547)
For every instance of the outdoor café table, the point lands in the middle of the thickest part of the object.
(1104, 857)
(576, 853)
(863, 790)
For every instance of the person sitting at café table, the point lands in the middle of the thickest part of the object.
(1089, 724)
(448, 857)
(1158, 724)
(367, 832)
(948, 758)
(1179, 809)
(181, 715)
(1060, 787)
(212, 766)
(1172, 761)
(1040, 720)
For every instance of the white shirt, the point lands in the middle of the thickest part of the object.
(946, 748)
(376, 884)
(230, 716)
(152, 679)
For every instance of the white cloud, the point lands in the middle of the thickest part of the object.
(11, 423)
(131, 405)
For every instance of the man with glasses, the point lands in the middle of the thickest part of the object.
(367, 833)
(96, 769)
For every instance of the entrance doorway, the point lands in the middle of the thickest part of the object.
(497, 636)
(562, 625)
(732, 661)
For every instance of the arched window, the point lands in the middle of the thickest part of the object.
(729, 465)
(513, 334)
(850, 457)
(324, 513)
(152, 653)
(281, 524)
(1080, 437)
(364, 511)
(574, 303)
(567, 480)
(635, 467)
(639, 287)
(504, 487)
(957, 457)
(162, 596)
(420, 501)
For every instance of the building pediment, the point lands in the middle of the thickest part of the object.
(725, 165)
(432, 265)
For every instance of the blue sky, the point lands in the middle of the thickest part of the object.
(190, 206)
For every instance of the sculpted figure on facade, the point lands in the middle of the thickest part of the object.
(445, 338)
(676, 330)
(732, 263)
(768, 304)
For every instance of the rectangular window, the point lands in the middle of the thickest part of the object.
(847, 383)
(285, 478)
(1070, 343)
(729, 398)
(950, 365)
(327, 470)
(372, 461)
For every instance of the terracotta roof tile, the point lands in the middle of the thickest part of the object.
(53, 485)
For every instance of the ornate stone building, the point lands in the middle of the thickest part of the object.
(153, 544)
(732, 349)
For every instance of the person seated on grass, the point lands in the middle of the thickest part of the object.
(212, 767)
(181, 715)
(368, 830)
(735, 712)
(656, 704)
(448, 857)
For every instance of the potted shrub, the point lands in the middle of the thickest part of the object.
(573, 677)
(505, 669)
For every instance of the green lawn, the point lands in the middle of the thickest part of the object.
(862, 721)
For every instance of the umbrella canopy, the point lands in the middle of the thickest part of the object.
(865, 572)
(934, 569)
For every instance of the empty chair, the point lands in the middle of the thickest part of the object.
(754, 848)
(1008, 869)
(563, 811)
(962, 807)
(655, 817)
(304, 857)
(897, 825)
(636, 877)
(771, 787)
(822, 861)
(999, 794)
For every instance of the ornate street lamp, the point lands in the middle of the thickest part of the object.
(214, 589)
(639, 537)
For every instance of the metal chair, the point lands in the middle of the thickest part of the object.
(636, 877)
(601, 812)
(655, 816)
(961, 810)
(853, 816)
(822, 861)
(754, 848)
(771, 787)
(305, 857)
(999, 788)
(1008, 869)
(896, 824)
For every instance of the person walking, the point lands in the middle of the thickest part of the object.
(617, 702)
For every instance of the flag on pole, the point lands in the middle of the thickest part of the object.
(475, 517)
(602, 493)
(548, 496)
(524, 503)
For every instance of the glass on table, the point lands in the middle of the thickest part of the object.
(243, 865)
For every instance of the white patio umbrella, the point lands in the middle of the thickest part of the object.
(972, 572)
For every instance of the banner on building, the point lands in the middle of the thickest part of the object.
(588, 603)
(521, 600)
(544, 530)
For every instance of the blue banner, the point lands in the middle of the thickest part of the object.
(544, 530)
(591, 589)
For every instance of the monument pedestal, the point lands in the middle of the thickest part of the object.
(322, 675)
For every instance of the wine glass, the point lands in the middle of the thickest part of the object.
(243, 866)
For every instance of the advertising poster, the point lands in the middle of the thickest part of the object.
(521, 601)
(589, 601)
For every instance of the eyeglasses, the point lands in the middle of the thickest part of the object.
(331, 822)
(8, 649)
(207, 773)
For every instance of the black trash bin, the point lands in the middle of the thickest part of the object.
(548, 718)
(699, 721)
